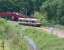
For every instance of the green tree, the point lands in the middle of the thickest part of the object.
(54, 9)
(26, 6)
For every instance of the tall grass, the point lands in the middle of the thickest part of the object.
(10, 38)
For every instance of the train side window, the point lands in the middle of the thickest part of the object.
(26, 21)
(21, 20)
(33, 21)
(7, 17)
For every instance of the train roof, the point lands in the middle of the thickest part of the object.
(16, 14)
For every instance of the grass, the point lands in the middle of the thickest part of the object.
(44, 40)
(10, 38)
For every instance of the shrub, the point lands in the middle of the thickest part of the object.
(41, 18)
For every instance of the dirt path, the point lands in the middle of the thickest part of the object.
(50, 30)
(55, 31)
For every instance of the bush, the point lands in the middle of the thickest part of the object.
(41, 18)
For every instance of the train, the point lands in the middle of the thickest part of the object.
(23, 20)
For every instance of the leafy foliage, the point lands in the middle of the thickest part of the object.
(42, 18)
(55, 10)
(26, 7)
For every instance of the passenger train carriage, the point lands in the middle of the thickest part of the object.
(23, 20)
